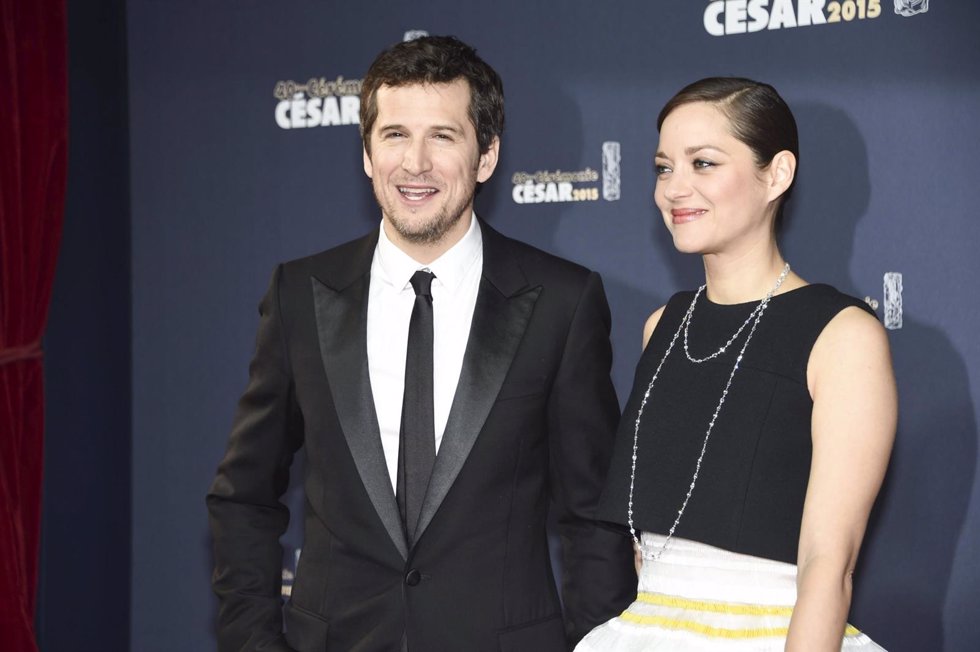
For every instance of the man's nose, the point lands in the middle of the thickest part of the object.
(416, 160)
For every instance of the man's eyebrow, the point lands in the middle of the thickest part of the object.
(439, 127)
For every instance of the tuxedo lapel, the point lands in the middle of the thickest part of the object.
(503, 307)
(341, 298)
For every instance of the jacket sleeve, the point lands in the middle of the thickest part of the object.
(598, 576)
(246, 515)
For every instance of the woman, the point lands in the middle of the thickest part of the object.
(762, 413)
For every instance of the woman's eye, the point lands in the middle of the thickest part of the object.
(702, 164)
(661, 169)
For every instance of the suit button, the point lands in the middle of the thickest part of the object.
(413, 577)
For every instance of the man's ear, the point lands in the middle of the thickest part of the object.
(368, 167)
(488, 161)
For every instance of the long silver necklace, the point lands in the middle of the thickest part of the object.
(754, 317)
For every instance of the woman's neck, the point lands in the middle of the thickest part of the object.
(749, 277)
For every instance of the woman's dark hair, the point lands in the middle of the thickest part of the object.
(757, 114)
(436, 60)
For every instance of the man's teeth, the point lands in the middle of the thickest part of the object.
(417, 193)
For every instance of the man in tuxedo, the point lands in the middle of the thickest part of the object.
(449, 384)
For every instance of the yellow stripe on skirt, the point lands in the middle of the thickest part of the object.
(697, 598)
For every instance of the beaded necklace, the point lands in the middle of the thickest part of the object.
(754, 317)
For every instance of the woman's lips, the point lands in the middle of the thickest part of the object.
(684, 215)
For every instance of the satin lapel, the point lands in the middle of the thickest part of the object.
(503, 307)
(341, 321)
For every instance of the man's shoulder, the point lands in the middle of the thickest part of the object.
(532, 259)
(340, 264)
(352, 249)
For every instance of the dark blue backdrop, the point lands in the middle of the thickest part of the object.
(221, 191)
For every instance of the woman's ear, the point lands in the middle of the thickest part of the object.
(781, 172)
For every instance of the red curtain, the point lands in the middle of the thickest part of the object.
(33, 166)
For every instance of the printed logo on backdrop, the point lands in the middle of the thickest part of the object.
(911, 7)
(545, 186)
(729, 17)
(289, 574)
(321, 102)
(891, 287)
(317, 103)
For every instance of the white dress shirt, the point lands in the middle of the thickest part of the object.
(390, 303)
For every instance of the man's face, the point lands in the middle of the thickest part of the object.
(425, 163)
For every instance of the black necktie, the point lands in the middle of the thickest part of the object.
(417, 440)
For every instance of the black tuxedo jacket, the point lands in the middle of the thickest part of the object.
(531, 424)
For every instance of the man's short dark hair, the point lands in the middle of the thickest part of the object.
(437, 60)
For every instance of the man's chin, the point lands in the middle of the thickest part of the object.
(425, 231)
(429, 237)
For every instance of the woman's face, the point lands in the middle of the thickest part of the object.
(713, 197)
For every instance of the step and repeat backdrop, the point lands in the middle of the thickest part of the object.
(245, 152)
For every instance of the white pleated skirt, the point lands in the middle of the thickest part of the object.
(697, 598)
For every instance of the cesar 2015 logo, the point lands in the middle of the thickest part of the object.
(317, 103)
(545, 186)
(726, 17)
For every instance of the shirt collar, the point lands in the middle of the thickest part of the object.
(449, 268)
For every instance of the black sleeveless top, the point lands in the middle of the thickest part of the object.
(750, 490)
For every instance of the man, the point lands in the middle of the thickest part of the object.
(449, 384)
